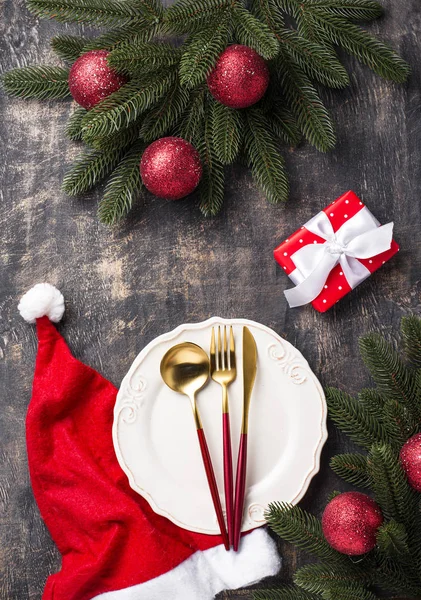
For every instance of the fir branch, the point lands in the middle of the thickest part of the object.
(202, 50)
(74, 124)
(267, 164)
(354, 419)
(355, 10)
(353, 468)
(152, 9)
(392, 539)
(304, 102)
(287, 592)
(393, 378)
(189, 15)
(393, 576)
(213, 178)
(123, 187)
(166, 114)
(191, 123)
(318, 578)
(411, 333)
(368, 49)
(314, 59)
(97, 12)
(142, 30)
(227, 132)
(142, 57)
(392, 491)
(121, 139)
(399, 422)
(68, 47)
(348, 592)
(372, 400)
(300, 528)
(42, 82)
(254, 33)
(90, 168)
(284, 125)
(124, 106)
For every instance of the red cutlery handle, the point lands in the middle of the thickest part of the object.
(240, 488)
(228, 476)
(212, 486)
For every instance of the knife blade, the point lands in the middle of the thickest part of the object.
(249, 373)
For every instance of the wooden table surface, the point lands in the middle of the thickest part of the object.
(166, 264)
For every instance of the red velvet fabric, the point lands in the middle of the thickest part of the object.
(108, 536)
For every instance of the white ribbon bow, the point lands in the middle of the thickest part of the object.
(359, 237)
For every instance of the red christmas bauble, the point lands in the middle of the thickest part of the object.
(350, 522)
(91, 79)
(410, 457)
(240, 77)
(171, 168)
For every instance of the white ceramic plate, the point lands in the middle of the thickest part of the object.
(156, 442)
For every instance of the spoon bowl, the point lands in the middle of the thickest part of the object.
(185, 368)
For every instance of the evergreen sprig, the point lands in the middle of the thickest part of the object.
(411, 332)
(392, 539)
(122, 187)
(380, 420)
(166, 114)
(354, 419)
(202, 50)
(211, 188)
(355, 10)
(140, 58)
(287, 592)
(393, 379)
(321, 577)
(296, 37)
(98, 12)
(314, 59)
(353, 468)
(251, 32)
(74, 130)
(124, 106)
(305, 103)
(37, 82)
(302, 529)
(227, 132)
(265, 160)
(68, 47)
(368, 49)
(90, 168)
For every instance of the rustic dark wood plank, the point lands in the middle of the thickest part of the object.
(167, 265)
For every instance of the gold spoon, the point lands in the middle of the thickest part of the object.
(185, 369)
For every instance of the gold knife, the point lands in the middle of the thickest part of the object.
(249, 375)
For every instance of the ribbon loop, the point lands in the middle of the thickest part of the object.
(360, 237)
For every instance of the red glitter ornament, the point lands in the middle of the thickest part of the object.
(91, 79)
(170, 168)
(240, 77)
(350, 522)
(410, 457)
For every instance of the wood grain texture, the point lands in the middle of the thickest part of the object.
(167, 265)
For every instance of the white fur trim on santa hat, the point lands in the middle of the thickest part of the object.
(42, 300)
(207, 573)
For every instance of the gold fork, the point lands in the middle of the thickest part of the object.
(223, 371)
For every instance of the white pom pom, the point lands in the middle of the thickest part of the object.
(42, 300)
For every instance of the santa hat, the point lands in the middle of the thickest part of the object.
(113, 546)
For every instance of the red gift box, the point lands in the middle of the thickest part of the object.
(348, 238)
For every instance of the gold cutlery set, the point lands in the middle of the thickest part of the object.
(186, 368)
